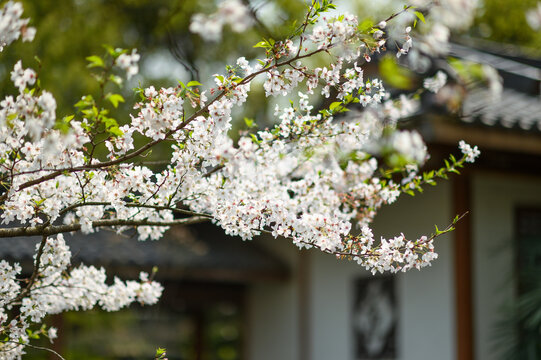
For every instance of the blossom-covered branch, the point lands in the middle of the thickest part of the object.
(317, 177)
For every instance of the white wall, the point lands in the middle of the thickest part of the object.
(273, 312)
(495, 198)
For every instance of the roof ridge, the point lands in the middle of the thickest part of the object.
(498, 62)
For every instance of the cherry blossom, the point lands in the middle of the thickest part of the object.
(12, 26)
(533, 17)
(471, 153)
(230, 12)
(434, 84)
(129, 63)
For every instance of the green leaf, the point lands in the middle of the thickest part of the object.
(115, 99)
(115, 79)
(420, 16)
(325, 113)
(366, 25)
(335, 105)
(255, 139)
(249, 122)
(114, 130)
(95, 61)
(261, 44)
(394, 74)
(85, 101)
(109, 122)
(193, 83)
(110, 50)
(32, 335)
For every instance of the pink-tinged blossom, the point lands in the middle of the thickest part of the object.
(22, 77)
(471, 152)
(129, 63)
(230, 12)
(12, 26)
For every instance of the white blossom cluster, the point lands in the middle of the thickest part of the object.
(396, 254)
(129, 63)
(314, 177)
(471, 153)
(410, 145)
(56, 289)
(533, 17)
(439, 19)
(407, 44)
(435, 83)
(334, 31)
(12, 26)
(230, 12)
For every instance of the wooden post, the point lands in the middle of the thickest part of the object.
(463, 269)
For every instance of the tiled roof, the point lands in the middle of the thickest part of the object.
(205, 250)
(498, 62)
(518, 107)
(512, 109)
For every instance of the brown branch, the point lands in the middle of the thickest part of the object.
(35, 272)
(398, 13)
(57, 229)
(134, 205)
(255, 17)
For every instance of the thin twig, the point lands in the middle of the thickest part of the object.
(35, 272)
(34, 347)
(253, 13)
